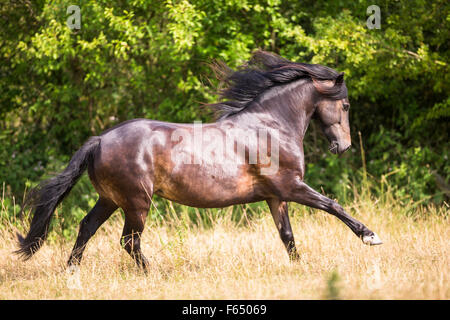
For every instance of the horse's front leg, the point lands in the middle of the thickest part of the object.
(279, 210)
(303, 194)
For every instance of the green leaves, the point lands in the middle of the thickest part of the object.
(185, 23)
(148, 58)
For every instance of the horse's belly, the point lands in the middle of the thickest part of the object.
(208, 186)
(201, 202)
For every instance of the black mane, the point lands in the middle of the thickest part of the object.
(265, 70)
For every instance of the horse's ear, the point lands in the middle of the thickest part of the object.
(340, 78)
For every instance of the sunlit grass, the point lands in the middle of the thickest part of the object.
(225, 258)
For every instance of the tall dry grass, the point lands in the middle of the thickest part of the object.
(247, 260)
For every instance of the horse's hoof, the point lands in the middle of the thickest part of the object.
(73, 269)
(372, 240)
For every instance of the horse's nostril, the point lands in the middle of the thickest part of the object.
(334, 147)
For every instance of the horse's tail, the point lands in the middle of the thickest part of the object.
(48, 194)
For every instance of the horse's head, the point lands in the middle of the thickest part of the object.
(333, 116)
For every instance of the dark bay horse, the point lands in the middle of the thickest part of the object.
(254, 152)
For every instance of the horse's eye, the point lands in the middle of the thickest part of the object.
(346, 106)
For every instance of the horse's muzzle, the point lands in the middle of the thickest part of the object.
(335, 148)
(345, 149)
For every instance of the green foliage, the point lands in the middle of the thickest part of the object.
(333, 287)
(147, 58)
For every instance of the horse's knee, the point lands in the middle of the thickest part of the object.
(286, 236)
(335, 207)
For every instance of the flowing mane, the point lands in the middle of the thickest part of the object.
(265, 70)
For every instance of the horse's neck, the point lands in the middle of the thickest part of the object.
(287, 109)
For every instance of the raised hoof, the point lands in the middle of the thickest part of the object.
(372, 240)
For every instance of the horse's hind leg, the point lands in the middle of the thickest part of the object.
(279, 210)
(131, 236)
(89, 225)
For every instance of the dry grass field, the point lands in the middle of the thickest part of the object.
(247, 260)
